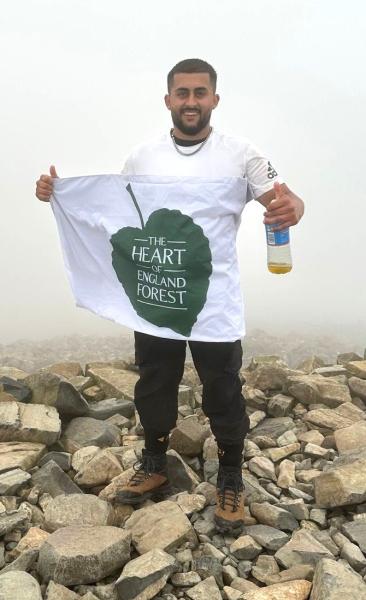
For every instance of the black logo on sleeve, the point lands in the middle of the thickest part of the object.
(271, 172)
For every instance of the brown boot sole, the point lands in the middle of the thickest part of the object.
(156, 495)
(228, 526)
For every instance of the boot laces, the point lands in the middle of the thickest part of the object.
(144, 468)
(230, 487)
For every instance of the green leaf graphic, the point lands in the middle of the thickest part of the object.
(164, 268)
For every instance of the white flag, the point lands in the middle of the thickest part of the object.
(157, 254)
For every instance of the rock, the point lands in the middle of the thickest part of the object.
(311, 437)
(187, 579)
(188, 437)
(143, 577)
(255, 418)
(311, 363)
(13, 373)
(11, 481)
(273, 428)
(335, 580)
(265, 568)
(181, 476)
(243, 585)
(85, 431)
(269, 377)
(162, 525)
(52, 390)
(77, 509)
(100, 469)
(29, 423)
(347, 357)
(245, 548)
(115, 383)
(81, 457)
(342, 485)
(111, 406)
(93, 394)
(276, 454)
(15, 520)
(358, 387)
(302, 549)
(68, 370)
(291, 590)
(17, 390)
(353, 555)
(254, 398)
(266, 536)
(190, 503)
(357, 368)
(351, 438)
(77, 555)
(356, 532)
(55, 591)
(22, 455)
(24, 562)
(286, 474)
(280, 405)
(32, 540)
(51, 479)
(254, 491)
(262, 467)
(63, 459)
(18, 584)
(315, 389)
(327, 418)
(331, 371)
(297, 508)
(204, 590)
(273, 516)
(295, 572)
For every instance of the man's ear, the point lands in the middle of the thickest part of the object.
(167, 101)
(217, 100)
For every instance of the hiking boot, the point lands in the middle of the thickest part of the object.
(150, 480)
(229, 513)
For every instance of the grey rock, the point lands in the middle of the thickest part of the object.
(181, 476)
(280, 405)
(11, 481)
(111, 406)
(188, 437)
(143, 577)
(85, 431)
(51, 389)
(358, 387)
(18, 584)
(208, 564)
(24, 562)
(302, 549)
(315, 389)
(297, 507)
(15, 520)
(262, 467)
(353, 555)
(254, 491)
(18, 389)
(63, 459)
(335, 580)
(54, 481)
(77, 555)
(352, 438)
(21, 455)
(55, 591)
(342, 485)
(204, 590)
(356, 532)
(245, 548)
(77, 509)
(273, 516)
(266, 536)
(115, 382)
(273, 428)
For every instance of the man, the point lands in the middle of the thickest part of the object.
(193, 148)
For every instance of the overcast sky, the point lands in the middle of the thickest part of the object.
(83, 81)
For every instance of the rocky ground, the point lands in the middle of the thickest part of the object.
(69, 437)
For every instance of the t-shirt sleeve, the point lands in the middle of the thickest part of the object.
(260, 173)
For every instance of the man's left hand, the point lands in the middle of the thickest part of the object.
(285, 210)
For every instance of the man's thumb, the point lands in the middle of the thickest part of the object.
(53, 171)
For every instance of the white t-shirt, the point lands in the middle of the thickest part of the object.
(221, 156)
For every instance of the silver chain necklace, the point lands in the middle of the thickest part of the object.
(194, 151)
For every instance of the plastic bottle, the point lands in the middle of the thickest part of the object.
(278, 250)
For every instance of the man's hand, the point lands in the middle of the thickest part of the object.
(285, 209)
(44, 187)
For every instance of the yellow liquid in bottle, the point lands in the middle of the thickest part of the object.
(279, 268)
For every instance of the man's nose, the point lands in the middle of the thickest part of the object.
(191, 99)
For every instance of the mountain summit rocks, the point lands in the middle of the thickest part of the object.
(70, 438)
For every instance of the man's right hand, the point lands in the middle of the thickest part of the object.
(44, 187)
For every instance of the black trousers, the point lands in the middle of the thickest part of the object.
(161, 366)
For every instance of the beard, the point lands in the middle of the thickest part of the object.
(203, 120)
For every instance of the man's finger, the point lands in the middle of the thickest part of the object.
(53, 171)
(277, 189)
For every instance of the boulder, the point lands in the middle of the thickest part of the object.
(29, 423)
(77, 509)
(99, 470)
(18, 584)
(78, 555)
(315, 389)
(85, 431)
(16, 389)
(206, 589)
(54, 481)
(335, 580)
(274, 516)
(357, 368)
(162, 525)
(115, 383)
(11, 481)
(21, 455)
(51, 389)
(351, 438)
(143, 577)
(341, 485)
(358, 387)
(302, 549)
(291, 590)
(188, 437)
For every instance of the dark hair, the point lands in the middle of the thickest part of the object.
(193, 65)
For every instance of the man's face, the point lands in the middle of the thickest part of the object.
(191, 100)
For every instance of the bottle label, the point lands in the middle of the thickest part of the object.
(277, 238)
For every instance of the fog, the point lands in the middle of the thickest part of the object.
(82, 82)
